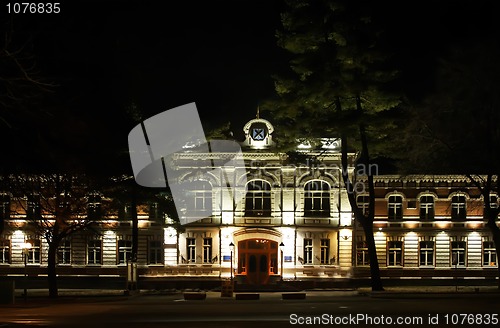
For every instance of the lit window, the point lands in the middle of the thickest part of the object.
(458, 209)
(426, 208)
(325, 251)
(426, 253)
(395, 253)
(317, 199)
(94, 251)
(362, 256)
(395, 207)
(64, 252)
(258, 198)
(458, 253)
(4, 251)
(308, 251)
(489, 254)
(124, 250)
(191, 250)
(207, 250)
(155, 252)
(34, 251)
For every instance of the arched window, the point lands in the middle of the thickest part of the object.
(395, 207)
(317, 199)
(258, 198)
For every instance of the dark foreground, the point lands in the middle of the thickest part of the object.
(412, 308)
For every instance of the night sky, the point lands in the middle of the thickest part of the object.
(105, 56)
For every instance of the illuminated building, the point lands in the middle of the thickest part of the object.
(430, 226)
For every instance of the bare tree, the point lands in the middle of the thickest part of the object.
(56, 206)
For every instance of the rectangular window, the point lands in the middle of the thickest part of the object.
(94, 206)
(458, 209)
(33, 211)
(207, 250)
(64, 252)
(308, 251)
(493, 201)
(489, 254)
(395, 253)
(94, 251)
(363, 203)
(124, 250)
(395, 207)
(34, 251)
(4, 251)
(362, 256)
(458, 253)
(191, 250)
(426, 208)
(155, 254)
(4, 206)
(427, 253)
(325, 251)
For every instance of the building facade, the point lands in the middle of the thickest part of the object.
(287, 221)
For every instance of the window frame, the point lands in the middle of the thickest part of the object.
(207, 250)
(64, 252)
(317, 200)
(393, 250)
(488, 248)
(308, 251)
(324, 251)
(155, 252)
(362, 253)
(458, 209)
(427, 209)
(258, 200)
(427, 250)
(460, 251)
(395, 209)
(191, 250)
(94, 247)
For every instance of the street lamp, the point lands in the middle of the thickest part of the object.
(231, 247)
(26, 248)
(281, 253)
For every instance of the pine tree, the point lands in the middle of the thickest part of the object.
(336, 86)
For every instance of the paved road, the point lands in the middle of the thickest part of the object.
(270, 311)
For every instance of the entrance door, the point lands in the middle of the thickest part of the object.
(257, 260)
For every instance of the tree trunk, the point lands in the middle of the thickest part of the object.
(135, 225)
(51, 270)
(366, 220)
(376, 281)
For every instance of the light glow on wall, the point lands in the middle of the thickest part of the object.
(345, 234)
(170, 236)
(227, 217)
(345, 219)
(411, 224)
(288, 218)
(443, 225)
